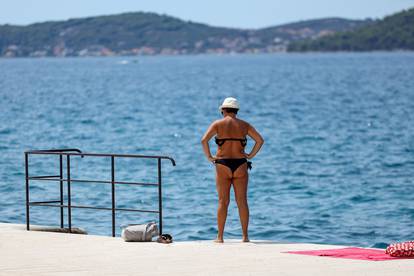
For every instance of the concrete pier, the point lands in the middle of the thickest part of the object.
(42, 253)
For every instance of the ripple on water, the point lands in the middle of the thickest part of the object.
(4, 131)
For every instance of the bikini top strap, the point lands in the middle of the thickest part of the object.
(220, 141)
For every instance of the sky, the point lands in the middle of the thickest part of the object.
(226, 13)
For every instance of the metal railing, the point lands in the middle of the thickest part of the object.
(68, 153)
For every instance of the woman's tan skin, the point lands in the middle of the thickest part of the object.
(231, 127)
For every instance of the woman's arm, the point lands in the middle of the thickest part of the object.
(211, 131)
(252, 132)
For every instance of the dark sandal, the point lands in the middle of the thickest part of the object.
(165, 238)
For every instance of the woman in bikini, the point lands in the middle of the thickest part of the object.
(231, 162)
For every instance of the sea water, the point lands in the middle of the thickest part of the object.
(337, 165)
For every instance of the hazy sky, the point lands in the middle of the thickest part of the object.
(229, 13)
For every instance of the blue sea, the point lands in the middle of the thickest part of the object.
(337, 165)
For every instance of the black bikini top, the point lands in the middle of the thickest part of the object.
(221, 141)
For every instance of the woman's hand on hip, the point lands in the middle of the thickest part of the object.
(212, 158)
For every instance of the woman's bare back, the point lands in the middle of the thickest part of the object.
(229, 127)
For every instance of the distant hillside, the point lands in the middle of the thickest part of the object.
(395, 32)
(149, 33)
(311, 28)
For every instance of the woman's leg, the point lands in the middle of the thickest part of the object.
(240, 181)
(223, 184)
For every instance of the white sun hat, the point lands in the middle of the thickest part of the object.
(230, 103)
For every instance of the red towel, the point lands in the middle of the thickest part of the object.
(355, 253)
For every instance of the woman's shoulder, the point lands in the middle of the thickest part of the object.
(243, 122)
(217, 122)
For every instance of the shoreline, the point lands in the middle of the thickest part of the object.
(282, 53)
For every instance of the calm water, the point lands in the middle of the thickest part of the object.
(337, 166)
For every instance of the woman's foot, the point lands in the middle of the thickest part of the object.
(219, 240)
(245, 239)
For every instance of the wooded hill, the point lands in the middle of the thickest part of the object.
(142, 33)
(395, 32)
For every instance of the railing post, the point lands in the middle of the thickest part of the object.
(69, 199)
(61, 189)
(159, 195)
(26, 165)
(113, 193)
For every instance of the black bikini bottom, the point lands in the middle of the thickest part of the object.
(233, 164)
